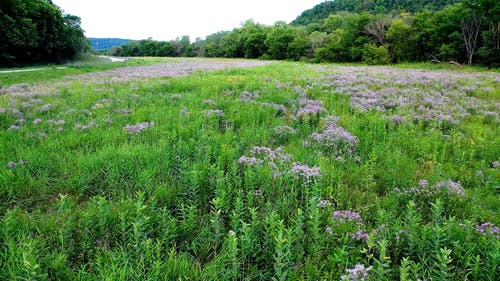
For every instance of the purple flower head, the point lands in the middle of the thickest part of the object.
(134, 129)
(360, 235)
(495, 164)
(284, 131)
(324, 203)
(214, 112)
(358, 273)
(309, 107)
(85, 127)
(304, 172)
(334, 139)
(451, 187)
(488, 228)
(250, 161)
(347, 216)
(249, 96)
(13, 164)
(37, 120)
(278, 107)
(176, 97)
(423, 183)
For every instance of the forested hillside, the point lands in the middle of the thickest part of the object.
(106, 43)
(375, 32)
(321, 11)
(36, 31)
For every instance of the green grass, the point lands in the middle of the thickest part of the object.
(58, 72)
(172, 203)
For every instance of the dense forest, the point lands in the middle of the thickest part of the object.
(320, 12)
(36, 31)
(372, 31)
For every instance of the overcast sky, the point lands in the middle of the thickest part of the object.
(167, 20)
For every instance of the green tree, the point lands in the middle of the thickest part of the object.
(278, 41)
(402, 39)
(36, 31)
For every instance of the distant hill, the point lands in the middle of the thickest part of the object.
(106, 43)
(321, 11)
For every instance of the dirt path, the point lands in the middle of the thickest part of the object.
(29, 69)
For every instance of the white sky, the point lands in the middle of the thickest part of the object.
(167, 20)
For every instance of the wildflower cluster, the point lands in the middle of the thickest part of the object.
(448, 187)
(488, 228)
(249, 96)
(134, 129)
(324, 203)
(250, 161)
(85, 127)
(358, 273)
(418, 94)
(280, 163)
(304, 173)
(334, 139)
(214, 112)
(352, 222)
(283, 132)
(13, 164)
(281, 109)
(309, 108)
(347, 216)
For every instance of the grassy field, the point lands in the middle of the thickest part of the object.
(281, 171)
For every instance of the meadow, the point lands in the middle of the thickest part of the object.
(213, 169)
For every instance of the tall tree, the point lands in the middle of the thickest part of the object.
(35, 31)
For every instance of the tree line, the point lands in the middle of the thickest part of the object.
(37, 31)
(463, 32)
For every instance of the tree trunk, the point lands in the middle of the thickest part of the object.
(471, 28)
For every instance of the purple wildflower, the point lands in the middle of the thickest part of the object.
(47, 107)
(214, 112)
(329, 230)
(134, 129)
(334, 139)
(346, 216)
(176, 97)
(488, 228)
(278, 107)
(324, 203)
(304, 172)
(358, 273)
(450, 187)
(14, 128)
(309, 108)
(360, 235)
(423, 183)
(36, 121)
(248, 96)
(251, 161)
(495, 164)
(13, 164)
(85, 127)
(284, 131)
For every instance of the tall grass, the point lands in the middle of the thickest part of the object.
(173, 199)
